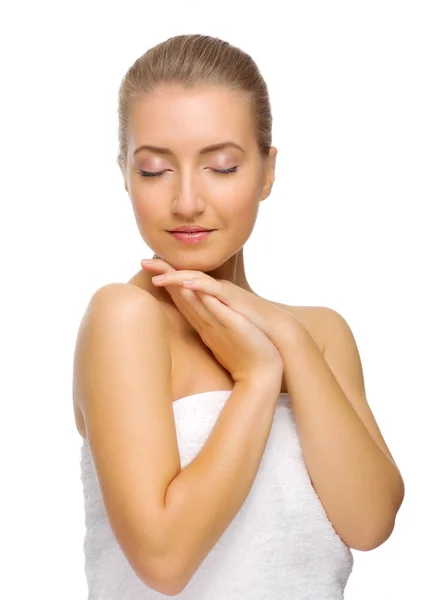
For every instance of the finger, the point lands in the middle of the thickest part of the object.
(223, 314)
(198, 281)
(209, 286)
(195, 310)
(156, 264)
(184, 303)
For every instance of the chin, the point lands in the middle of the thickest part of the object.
(203, 264)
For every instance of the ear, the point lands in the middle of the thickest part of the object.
(123, 172)
(269, 172)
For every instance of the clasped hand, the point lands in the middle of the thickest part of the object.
(226, 317)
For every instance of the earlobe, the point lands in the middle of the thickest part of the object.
(266, 190)
(272, 160)
(123, 172)
(272, 163)
(270, 173)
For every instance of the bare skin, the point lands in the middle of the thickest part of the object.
(190, 192)
(195, 368)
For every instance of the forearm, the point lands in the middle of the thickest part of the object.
(356, 482)
(204, 498)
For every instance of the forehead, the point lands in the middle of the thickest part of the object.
(174, 116)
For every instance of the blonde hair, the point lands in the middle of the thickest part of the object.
(191, 60)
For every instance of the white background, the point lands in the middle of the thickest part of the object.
(352, 223)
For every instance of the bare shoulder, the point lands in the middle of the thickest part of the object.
(111, 303)
(125, 289)
(328, 323)
(125, 297)
(122, 299)
(314, 319)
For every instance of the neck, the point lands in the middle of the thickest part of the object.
(232, 270)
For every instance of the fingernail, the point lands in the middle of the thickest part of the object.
(157, 277)
(146, 261)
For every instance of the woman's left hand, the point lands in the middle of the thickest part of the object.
(272, 320)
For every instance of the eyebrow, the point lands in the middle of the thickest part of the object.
(205, 150)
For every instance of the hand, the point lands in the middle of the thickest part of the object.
(238, 345)
(277, 323)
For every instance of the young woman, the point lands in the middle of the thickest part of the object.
(228, 447)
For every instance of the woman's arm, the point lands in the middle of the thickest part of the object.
(349, 463)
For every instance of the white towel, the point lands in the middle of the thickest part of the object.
(281, 544)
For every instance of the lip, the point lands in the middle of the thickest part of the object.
(191, 238)
(189, 229)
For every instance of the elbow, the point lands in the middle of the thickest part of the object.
(171, 587)
(167, 571)
(162, 568)
(174, 583)
(174, 576)
(163, 571)
(374, 536)
(374, 540)
(177, 578)
(378, 535)
(163, 578)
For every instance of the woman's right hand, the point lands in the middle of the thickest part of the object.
(237, 344)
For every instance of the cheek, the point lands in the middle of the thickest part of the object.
(242, 202)
(240, 214)
(147, 207)
(147, 216)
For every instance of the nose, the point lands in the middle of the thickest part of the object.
(188, 202)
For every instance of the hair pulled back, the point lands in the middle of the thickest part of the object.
(194, 60)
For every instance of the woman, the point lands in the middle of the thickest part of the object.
(228, 447)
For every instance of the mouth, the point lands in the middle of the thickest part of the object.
(188, 230)
(191, 238)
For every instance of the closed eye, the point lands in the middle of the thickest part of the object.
(226, 171)
(158, 173)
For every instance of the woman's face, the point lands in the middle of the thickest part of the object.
(189, 191)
